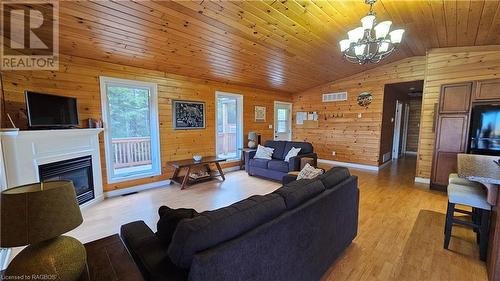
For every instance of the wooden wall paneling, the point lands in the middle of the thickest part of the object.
(79, 77)
(414, 124)
(447, 66)
(355, 140)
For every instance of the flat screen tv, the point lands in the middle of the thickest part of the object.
(50, 111)
(485, 130)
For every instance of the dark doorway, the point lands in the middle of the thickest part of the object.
(400, 120)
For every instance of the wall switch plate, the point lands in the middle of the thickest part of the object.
(359, 115)
(333, 153)
(270, 126)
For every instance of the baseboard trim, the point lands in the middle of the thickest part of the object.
(136, 188)
(411, 152)
(350, 165)
(231, 169)
(422, 180)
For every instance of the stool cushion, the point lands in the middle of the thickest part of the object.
(455, 179)
(469, 196)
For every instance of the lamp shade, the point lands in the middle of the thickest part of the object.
(382, 29)
(37, 212)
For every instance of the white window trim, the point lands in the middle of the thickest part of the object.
(240, 107)
(154, 125)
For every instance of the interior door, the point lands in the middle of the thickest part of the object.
(282, 121)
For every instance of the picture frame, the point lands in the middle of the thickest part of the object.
(260, 113)
(188, 115)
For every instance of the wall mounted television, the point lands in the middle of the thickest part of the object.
(46, 111)
(485, 130)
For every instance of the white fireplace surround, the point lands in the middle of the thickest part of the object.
(24, 151)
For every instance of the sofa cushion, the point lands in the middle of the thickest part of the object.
(260, 163)
(214, 227)
(278, 165)
(169, 218)
(279, 149)
(334, 176)
(305, 147)
(297, 192)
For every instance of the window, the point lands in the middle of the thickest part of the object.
(130, 115)
(229, 129)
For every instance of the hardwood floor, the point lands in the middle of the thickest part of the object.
(400, 232)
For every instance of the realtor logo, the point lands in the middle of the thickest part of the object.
(30, 35)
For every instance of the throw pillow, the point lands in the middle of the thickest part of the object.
(169, 218)
(309, 172)
(292, 153)
(264, 152)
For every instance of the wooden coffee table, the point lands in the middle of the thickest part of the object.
(189, 165)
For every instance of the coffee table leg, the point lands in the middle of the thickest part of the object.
(220, 171)
(186, 177)
(176, 173)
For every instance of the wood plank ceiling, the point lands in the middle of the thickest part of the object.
(288, 45)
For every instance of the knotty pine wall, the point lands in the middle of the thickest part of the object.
(414, 124)
(444, 66)
(79, 78)
(355, 140)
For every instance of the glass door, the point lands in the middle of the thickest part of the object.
(130, 113)
(229, 129)
(282, 121)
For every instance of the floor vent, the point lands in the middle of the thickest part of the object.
(331, 97)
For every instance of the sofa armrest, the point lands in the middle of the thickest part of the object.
(247, 155)
(149, 253)
(294, 162)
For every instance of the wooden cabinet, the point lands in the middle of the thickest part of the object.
(451, 136)
(452, 126)
(487, 90)
(455, 98)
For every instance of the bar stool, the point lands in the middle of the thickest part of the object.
(474, 196)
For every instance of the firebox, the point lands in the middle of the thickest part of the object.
(78, 170)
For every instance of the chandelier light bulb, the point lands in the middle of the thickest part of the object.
(359, 50)
(356, 34)
(367, 22)
(344, 44)
(396, 36)
(382, 29)
(384, 46)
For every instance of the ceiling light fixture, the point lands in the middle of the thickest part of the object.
(371, 42)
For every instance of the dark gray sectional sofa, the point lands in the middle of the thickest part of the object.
(294, 233)
(277, 167)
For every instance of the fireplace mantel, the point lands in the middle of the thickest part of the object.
(24, 151)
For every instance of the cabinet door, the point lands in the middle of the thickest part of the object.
(451, 139)
(487, 90)
(455, 98)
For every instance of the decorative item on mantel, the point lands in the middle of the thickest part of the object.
(197, 157)
(370, 43)
(36, 215)
(365, 99)
(252, 139)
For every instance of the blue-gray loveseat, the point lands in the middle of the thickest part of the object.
(277, 167)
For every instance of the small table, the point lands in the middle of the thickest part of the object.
(189, 164)
(244, 151)
(109, 260)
